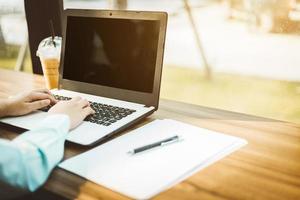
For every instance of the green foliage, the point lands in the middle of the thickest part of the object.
(256, 96)
(8, 51)
(9, 63)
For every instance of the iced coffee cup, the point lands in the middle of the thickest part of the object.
(49, 53)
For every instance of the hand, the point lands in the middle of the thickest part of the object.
(77, 109)
(28, 102)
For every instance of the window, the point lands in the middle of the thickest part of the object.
(14, 53)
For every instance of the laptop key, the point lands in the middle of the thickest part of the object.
(106, 124)
(45, 109)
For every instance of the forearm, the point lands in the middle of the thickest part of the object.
(27, 160)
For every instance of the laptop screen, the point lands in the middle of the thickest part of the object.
(111, 52)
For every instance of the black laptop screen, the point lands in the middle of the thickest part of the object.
(118, 53)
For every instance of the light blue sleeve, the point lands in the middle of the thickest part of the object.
(27, 161)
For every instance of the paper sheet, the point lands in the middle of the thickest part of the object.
(144, 175)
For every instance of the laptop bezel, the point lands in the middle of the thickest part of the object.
(148, 99)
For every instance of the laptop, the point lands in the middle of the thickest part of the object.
(114, 60)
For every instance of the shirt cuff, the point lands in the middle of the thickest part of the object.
(52, 128)
(59, 122)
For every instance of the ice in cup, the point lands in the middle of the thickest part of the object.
(49, 53)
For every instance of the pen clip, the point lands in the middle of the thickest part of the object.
(179, 139)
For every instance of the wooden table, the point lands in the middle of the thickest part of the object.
(267, 168)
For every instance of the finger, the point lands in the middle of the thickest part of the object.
(88, 111)
(52, 99)
(33, 96)
(83, 103)
(43, 90)
(35, 105)
(46, 91)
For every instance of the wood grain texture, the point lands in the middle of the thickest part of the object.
(267, 168)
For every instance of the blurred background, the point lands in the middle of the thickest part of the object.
(237, 55)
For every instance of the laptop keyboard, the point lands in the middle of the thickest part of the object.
(105, 114)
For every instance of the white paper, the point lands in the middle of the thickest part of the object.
(144, 175)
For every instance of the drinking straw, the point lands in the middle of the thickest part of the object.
(51, 27)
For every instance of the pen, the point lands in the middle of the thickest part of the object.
(163, 142)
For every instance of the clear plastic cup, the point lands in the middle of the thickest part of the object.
(49, 53)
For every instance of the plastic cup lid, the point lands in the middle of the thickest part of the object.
(49, 48)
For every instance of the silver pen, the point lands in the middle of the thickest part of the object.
(160, 143)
